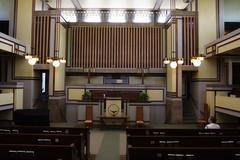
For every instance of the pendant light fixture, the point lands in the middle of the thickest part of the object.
(56, 60)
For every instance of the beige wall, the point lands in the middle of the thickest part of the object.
(208, 69)
(207, 22)
(6, 98)
(231, 103)
(60, 71)
(155, 95)
(24, 20)
(76, 80)
(135, 80)
(96, 80)
(75, 93)
(155, 80)
(171, 73)
(24, 25)
(210, 97)
(18, 98)
(171, 80)
(22, 68)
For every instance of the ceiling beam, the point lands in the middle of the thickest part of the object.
(157, 4)
(76, 4)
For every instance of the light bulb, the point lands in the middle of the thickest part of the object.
(27, 56)
(32, 61)
(173, 64)
(201, 58)
(180, 61)
(56, 63)
(196, 62)
(49, 60)
(62, 60)
(166, 61)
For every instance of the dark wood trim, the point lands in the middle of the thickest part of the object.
(15, 18)
(25, 78)
(171, 94)
(59, 93)
(7, 104)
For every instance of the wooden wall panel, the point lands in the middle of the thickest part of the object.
(115, 47)
(41, 31)
(189, 38)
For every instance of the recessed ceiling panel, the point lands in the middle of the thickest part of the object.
(131, 4)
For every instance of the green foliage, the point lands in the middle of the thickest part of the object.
(87, 96)
(143, 96)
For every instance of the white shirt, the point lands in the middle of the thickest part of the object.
(212, 126)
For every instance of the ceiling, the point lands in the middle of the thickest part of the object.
(123, 4)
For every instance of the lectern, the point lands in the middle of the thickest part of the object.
(112, 114)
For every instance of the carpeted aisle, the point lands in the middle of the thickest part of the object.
(109, 149)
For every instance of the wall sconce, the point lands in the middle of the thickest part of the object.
(196, 61)
(56, 61)
(32, 60)
(173, 62)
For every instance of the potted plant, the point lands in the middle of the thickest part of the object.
(143, 96)
(87, 96)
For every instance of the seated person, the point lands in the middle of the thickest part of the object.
(212, 123)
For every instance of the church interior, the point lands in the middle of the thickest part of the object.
(119, 79)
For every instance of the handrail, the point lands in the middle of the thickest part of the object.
(11, 39)
(230, 35)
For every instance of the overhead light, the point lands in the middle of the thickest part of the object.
(93, 16)
(33, 60)
(28, 56)
(162, 16)
(142, 16)
(56, 61)
(62, 60)
(69, 16)
(49, 60)
(201, 57)
(166, 61)
(173, 64)
(117, 16)
(196, 61)
(180, 61)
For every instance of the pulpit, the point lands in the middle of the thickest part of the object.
(112, 113)
(113, 107)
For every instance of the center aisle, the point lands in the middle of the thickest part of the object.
(109, 149)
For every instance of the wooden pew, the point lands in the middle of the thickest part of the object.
(84, 131)
(36, 152)
(183, 153)
(182, 144)
(182, 132)
(183, 141)
(46, 139)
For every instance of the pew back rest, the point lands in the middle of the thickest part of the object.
(182, 132)
(183, 141)
(36, 152)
